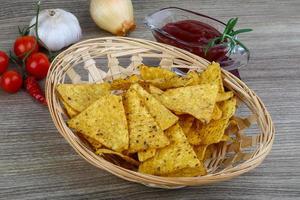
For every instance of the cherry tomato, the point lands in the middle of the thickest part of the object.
(11, 81)
(24, 45)
(4, 60)
(37, 65)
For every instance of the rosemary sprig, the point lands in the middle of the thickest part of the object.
(229, 36)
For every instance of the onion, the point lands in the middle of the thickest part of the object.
(115, 16)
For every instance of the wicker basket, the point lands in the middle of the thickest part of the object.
(99, 60)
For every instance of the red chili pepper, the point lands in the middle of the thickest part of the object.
(34, 89)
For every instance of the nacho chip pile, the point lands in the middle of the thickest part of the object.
(159, 123)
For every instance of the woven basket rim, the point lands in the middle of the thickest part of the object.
(151, 180)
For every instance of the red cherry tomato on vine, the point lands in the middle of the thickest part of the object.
(37, 65)
(11, 81)
(4, 60)
(24, 45)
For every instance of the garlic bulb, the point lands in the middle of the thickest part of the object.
(57, 28)
(115, 16)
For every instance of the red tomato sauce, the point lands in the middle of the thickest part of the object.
(193, 36)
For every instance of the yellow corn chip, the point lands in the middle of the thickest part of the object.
(124, 84)
(212, 75)
(144, 131)
(225, 138)
(198, 101)
(174, 82)
(217, 113)
(70, 111)
(163, 78)
(151, 73)
(228, 108)
(200, 151)
(159, 112)
(80, 96)
(178, 155)
(104, 121)
(223, 96)
(194, 77)
(124, 157)
(186, 122)
(93, 143)
(214, 131)
(146, 154)
(155, 91)
(178, 113)
(193, 134)
(189, 171)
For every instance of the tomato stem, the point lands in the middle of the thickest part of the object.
(36, 32)
(38, 8)
(19, 66)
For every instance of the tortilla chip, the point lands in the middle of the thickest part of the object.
(217, 113)
(155, 91)
(159, 112)
(93, 143)
(190, 171)
(174, 82)
(146, 154)
(178, 113)
(223, 96)
(193, 134)
(212, 75)
(70, 111)
(186, 122)
(151, 73)
(104, 121)
(124, 84)
(178, 155)
(194, 77)
(144, 131)
(198, 101)
(80, 96)
(124, 157)
(163, 78)
(214, 131)
(200, 151)
(228, 108)
(226, 138)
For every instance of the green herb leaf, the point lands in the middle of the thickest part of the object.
(242, 31)
(232, 24)
(210, 44)
(229, 35)
(229, 27)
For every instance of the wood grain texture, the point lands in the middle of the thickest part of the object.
(36, 162)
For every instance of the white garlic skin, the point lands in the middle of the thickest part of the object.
(57, 28)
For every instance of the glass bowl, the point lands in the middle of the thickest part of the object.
(239, 56)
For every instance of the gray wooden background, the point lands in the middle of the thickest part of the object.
(36, 162)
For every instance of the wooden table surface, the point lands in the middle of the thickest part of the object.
(36, 162)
